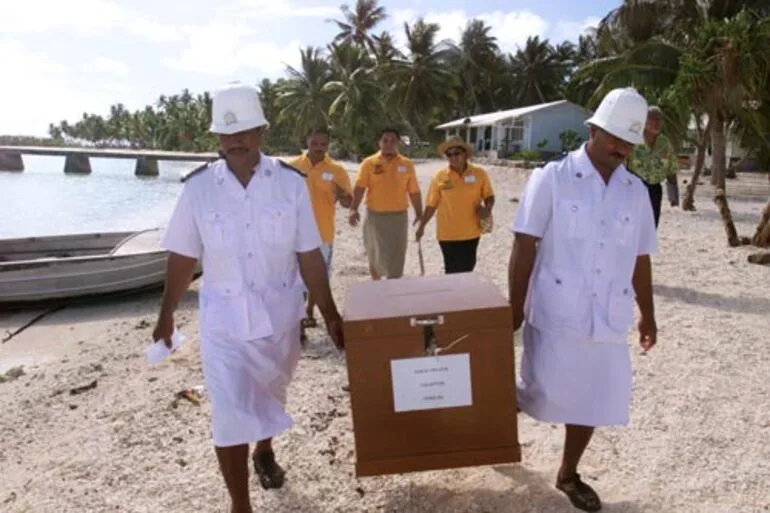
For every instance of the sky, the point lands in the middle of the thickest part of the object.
(61, 58)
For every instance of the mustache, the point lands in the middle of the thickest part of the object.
(236, 150)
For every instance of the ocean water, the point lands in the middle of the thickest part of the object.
(42, 200)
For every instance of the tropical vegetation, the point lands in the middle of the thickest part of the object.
(705, 62)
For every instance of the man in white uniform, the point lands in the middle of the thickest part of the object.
(248, 218)
(583, 235)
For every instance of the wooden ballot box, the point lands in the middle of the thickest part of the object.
(432, 374)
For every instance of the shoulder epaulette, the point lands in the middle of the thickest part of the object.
(557, 158)
(291, 168)
(196, 171)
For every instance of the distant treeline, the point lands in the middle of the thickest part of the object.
(24, 140)
(706, 62)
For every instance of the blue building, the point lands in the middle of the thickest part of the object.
(536, 127)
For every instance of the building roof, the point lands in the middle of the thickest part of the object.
(495, 117)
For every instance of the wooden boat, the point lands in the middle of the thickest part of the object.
(67, 267)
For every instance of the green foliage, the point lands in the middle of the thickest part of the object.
(688, 57)
(527, 156)
(570, 140)
(21, 140)
(699, 61)
(356, 85)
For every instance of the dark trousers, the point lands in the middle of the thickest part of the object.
(656, 197)
(459, 255)
(672, 191)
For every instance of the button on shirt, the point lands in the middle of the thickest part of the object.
(246, 239)
(591, 234)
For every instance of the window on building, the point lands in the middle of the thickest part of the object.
(517, 132)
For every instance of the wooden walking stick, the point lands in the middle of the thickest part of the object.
(419, 254)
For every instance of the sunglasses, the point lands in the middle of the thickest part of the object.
(454, 153)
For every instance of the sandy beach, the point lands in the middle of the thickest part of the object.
(697, 441)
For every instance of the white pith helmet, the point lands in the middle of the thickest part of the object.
(622, 113)
(236, 108)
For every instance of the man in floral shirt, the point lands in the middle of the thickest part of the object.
(655, 161)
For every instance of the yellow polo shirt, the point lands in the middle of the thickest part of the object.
(320, 183)
(387, 182)
(455, 197)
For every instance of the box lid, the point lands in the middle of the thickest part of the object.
(410, 297)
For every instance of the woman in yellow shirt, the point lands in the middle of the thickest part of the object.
(461, 196)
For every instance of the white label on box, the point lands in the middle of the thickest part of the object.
(431, 382)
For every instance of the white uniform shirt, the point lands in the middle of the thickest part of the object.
(590, 237)
(246, 240)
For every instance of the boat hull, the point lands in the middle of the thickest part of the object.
(60, 246)
(80, 277)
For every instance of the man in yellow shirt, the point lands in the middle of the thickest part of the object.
(388, 179)
(328, 183)
(462, 196)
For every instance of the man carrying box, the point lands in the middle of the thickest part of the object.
(247, 219)
(584, 234)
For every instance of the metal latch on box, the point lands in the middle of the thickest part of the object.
(428, 335)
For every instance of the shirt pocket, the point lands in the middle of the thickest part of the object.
(217, 230)
(620, 308)
(224, 309)
(277, 226)
(558, 301)
(624, 227)
(575, 216)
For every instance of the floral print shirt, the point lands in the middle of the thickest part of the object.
(654, 164)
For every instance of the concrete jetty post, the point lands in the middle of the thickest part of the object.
(146, 166)
(11, 161)
(77, 164)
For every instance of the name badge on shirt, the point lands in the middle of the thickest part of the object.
(327, 177)
(401, 168)
(470, 179)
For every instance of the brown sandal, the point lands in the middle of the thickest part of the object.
(270, 473)
(303, 338)
(308, 322)
(580, 494)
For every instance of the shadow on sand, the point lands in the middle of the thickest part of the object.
(532, 494)
(735, 304)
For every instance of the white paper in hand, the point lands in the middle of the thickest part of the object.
(157, 352)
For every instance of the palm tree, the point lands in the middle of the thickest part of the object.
(478, 63)
(708, 55)
(725, 69)
(384, 50)
(303, 102)
(581, 87)
(357, 23)
(537, 72)
(422, 79)
(357, 98)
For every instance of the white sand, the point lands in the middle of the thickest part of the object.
(699, 438)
